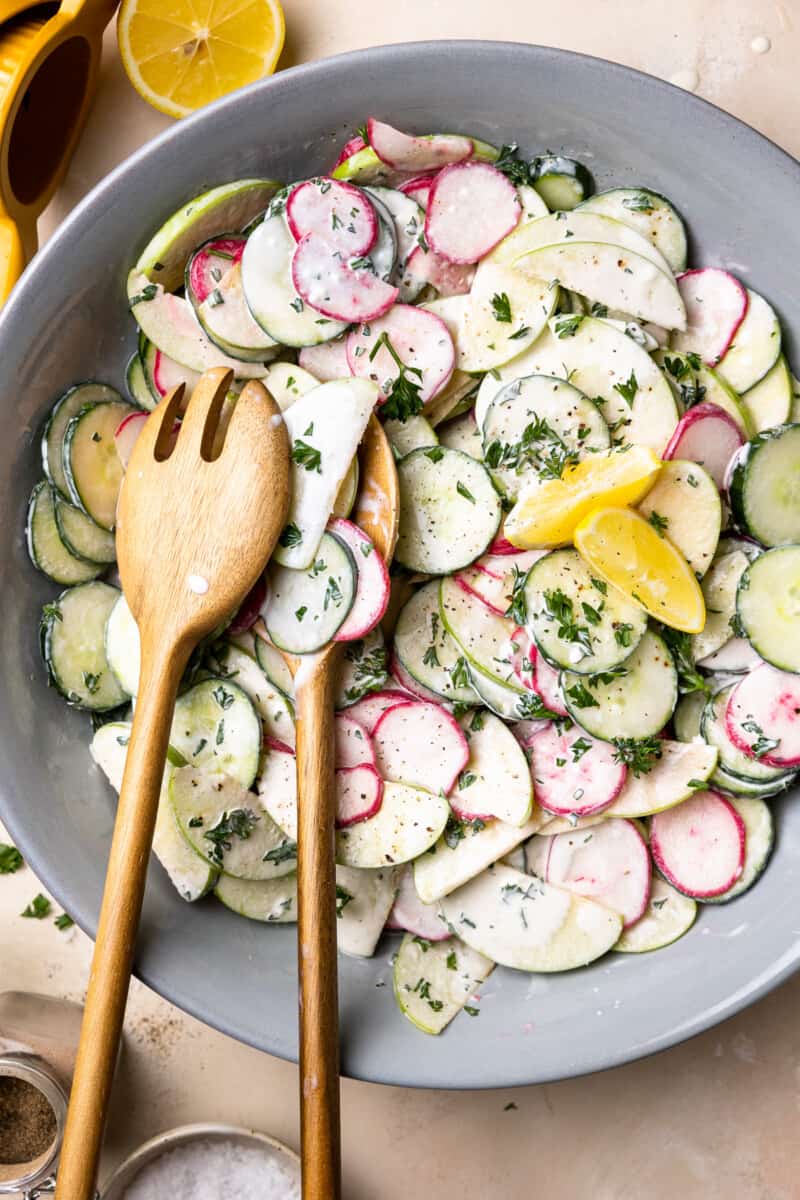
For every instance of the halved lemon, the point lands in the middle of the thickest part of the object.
(547, 511)
(182, 54)
(622, 547)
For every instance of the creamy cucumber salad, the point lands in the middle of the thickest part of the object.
(564, 708)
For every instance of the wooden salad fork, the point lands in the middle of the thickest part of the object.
(194, 532)
(377, 513)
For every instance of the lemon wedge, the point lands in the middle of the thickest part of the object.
(621, 547)
(547, 511)
(180, 54)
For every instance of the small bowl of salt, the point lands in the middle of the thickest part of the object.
(207, 1162)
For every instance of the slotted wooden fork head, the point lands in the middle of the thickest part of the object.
(194, 531)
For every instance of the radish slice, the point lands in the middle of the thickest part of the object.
(416, 690)
(428, 267)
(698, 846)
(413, 915)
(608, 863)
(335, 289)
(351, 147)
(126, 434)
(213, 260)
(525, 731)
(335, 211)
(369, 709)
(573, 772)
(716, 305)
(708, 436)
(167, 374)
(547, 685)
(763, 714)
(491, 578)
(422, 745)
(406, 153)
(327, 361)
(372, 588)
(419, 188)
(470, 581)
(250, 608)
(419, 339)
(523, 657)
(277, 785)
(501, 545)
(353, 747)
(471, 207)
(273, 743)
(359, 793)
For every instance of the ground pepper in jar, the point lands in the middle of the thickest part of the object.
(27, 1121)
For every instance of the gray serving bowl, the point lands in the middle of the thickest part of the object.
(68, 320)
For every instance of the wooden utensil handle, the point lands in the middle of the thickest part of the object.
(316, 933)
(119, 920)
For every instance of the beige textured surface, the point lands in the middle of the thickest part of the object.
(714, 1118)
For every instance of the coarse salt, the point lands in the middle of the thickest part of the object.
(211, 1170)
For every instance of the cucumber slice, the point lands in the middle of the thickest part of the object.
(363, 902)
(636, 703)
(768, 606)
(497, 778)
(449, 510)
(463, 434)
(669, 916)
(578, 622)
(273, 901)
(501, 700)
(137, 385)
(73, 646)
(650, 214)
(228, 826)
(270, 293)
(483, 636)
(736, 657)
(719, 592)
(409, 435)
(519, 921)
(686, 495)
(408, 222)
(229, 206)
(755, 348)
(346, 497)
(190, 875)
(64, 409)
(286, 382)
(434, 981)
(81, 535)
(731, 759)
(535, 426)
(769, 402)
(427, 651)
(599, 360)
(276, 712)
(466, 849)
(46, 547)
(273, 664)
(277, 787)
(733, 786)
(92, 467)
(764, 492)
(305, 608)
(362, 669)
(563, 183)
(673, 777)
(325, 428)
(216, 727)
(687, 716)
(458, 394)
(163, 373)
(123, 647)
(406, 825)
(227, 320)
(759, 843)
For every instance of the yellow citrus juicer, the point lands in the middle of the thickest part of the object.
(49, 64)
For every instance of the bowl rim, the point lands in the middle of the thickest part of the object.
(374, 57)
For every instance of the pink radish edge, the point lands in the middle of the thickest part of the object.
(126, 435)
(353, 744)
(272, 743)
(335, 211)
(410, 914)
(352, 146)
(371, 707)
(573, 777)
(458, 765)
(250, 608)
(405, 152)
(724, 439)
(199, 282)
(787, 700)
(700, 331)
(415, 690)
(463, 223)
(460, 578)
(352, 808)
(335, 289)
(373, 586)
(523, 659)
(681, 812)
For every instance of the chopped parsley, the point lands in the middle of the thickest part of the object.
(91, 682)
(64, 921)
(762, 745)
(511, 165)
(568, 326)
(403, 399)
(452, 961)
(560, 608)
(581, 697)
(370, 671)
(333, 594)
(223, 698)
(501, 307)
(239, 822)
(283, 853)
(641, 202)
(628, 389)
(290, 536)
(10, 859)
(307, 456)
(456, 830)
(518, 608)
(343, 898)
(680, 646)
(623, 634)
(464, 491)
(638, 754)
(459, 673)
(659, 523)
(580, 747)
(38, 908)
(435, 454)
(147, 293)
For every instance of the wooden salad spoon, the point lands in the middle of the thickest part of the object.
(194, 532)
(376, 512)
